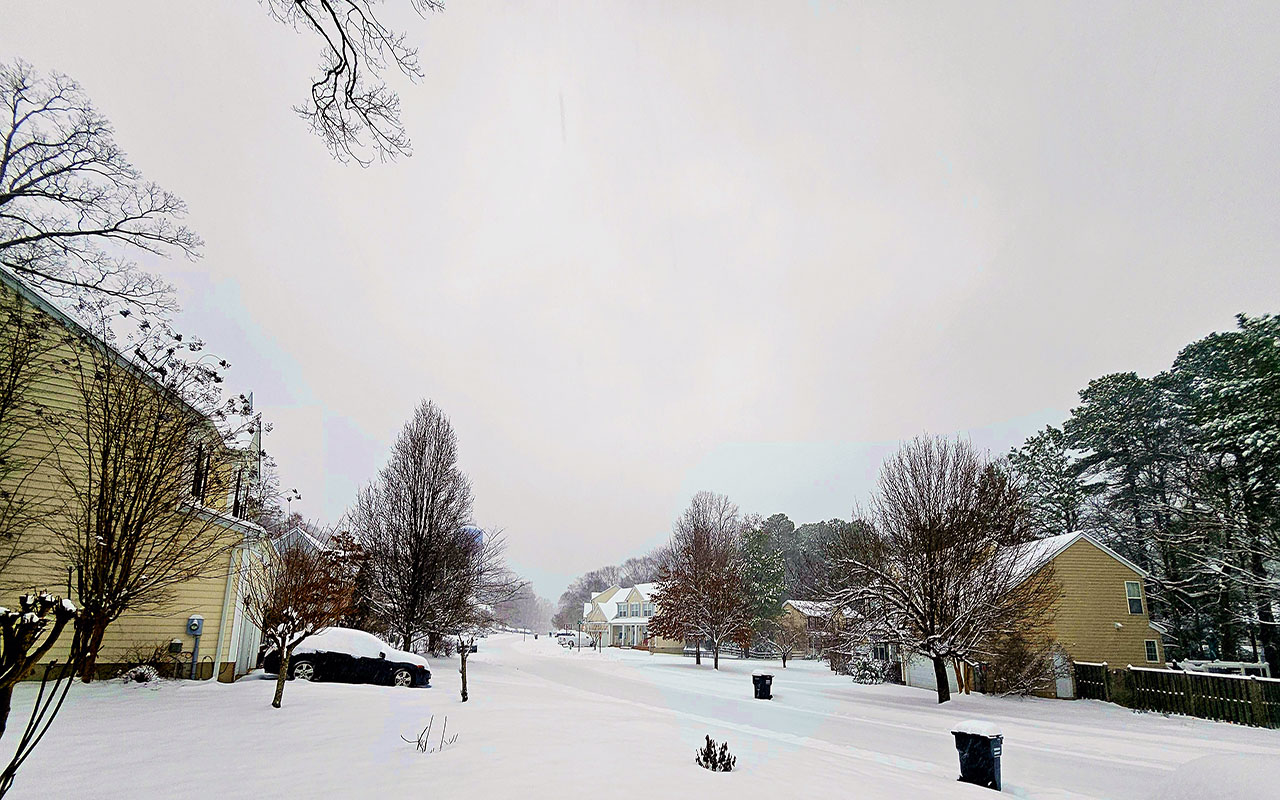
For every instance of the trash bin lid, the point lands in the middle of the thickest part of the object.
(978, 727)
(761, 674)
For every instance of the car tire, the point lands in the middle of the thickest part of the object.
(303, 669)
(402, 677)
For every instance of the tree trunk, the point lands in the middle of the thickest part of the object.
(784, 659)
(962, 685)
(285, 655)
(715, 655)
(6, 702)
(463, 652)
(89, 662)
(1268, 632)
(697, 651)
(940, 675)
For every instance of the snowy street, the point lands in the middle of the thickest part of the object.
(545, 722)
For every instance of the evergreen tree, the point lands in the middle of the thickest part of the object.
(764, 577)
(1227, 391)
(1051, 481)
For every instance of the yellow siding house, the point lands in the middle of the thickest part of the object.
(228, 643)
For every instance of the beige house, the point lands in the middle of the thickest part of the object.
(619, 617)
(227, 641)
(817, 618)
(1102, 613)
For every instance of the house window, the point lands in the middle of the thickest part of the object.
(648, 609)
(1153, 654)
(880, 652)
(635, 609)
(1133, 592)
(622, 609)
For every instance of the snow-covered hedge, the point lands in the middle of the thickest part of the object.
(866, 670)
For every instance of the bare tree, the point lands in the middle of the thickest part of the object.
(938, 568)
(71, 203)
(701, 592)
(526, 610)
(293, 594)
(411, 521)
(482, 584)
(787, 635)
(350, 107)
(146, 461)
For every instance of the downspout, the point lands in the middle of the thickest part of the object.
(222, 619)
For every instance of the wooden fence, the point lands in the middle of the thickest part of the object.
(1230, 698)
(1091, 681)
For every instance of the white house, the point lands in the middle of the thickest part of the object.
(619, 617)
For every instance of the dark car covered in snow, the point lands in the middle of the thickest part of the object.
(345, 655)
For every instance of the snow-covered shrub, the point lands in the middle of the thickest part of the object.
(1021, 666)
(156, 656)
(144, 673)
(716, 759)
(865, 669)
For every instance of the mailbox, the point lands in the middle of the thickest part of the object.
(175, 646)
(195, 625)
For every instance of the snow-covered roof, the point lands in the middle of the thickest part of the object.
(811, 608)
(301, 534)
(250, 530)
(607, 602)
(1041, 551)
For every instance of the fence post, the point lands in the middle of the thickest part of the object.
(1106, 683)
(1189, 692)
(1256, 702)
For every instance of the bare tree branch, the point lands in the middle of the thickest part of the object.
(350, 107)
(72, 207)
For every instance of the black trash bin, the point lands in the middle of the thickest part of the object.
(979, 745)
(763, 683)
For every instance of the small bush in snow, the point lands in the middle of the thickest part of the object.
(716, 759)
(144, 673)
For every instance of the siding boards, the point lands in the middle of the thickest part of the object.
(1093, 601)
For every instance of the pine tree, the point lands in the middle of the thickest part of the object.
(1227, 391)
(764, 575)
(1051, 481)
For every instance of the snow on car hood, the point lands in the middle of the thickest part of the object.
(357, 643)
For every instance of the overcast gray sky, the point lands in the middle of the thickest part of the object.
(649, 248)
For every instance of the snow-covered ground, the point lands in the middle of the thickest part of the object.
(544, 722)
